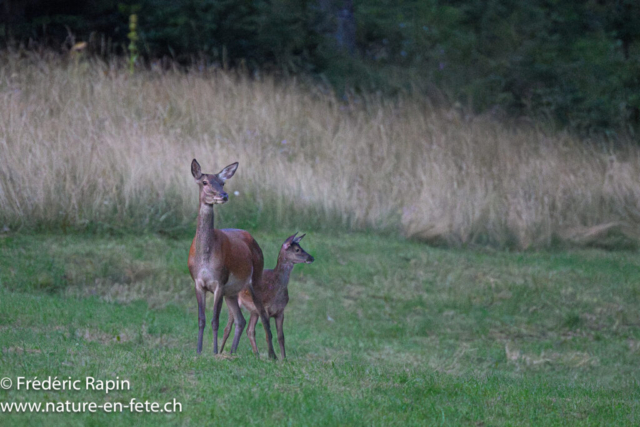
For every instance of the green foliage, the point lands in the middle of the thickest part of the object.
(575, 62)
(255, 33)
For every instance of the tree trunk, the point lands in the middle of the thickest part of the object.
(346, 28)
(339, 23)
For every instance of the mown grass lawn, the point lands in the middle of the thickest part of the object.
(379, 331)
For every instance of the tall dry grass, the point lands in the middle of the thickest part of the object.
(83, 144)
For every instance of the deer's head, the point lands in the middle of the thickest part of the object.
(212, 185)
(291, 251)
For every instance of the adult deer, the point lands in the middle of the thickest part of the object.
(272, 292)
(223, 262)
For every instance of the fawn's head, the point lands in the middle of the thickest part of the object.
(292, 251)
(211, 185)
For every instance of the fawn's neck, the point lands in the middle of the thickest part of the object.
(283, 271)
(205, 237)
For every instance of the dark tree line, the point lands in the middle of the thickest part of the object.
(576, 62)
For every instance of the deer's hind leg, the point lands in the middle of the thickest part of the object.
(234, 308)
(251, 331)
(227, 330)
(265, 321)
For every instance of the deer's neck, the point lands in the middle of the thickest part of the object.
(282, 272)
(205, 236)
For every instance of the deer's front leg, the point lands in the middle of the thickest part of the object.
(217, 306)
(280, 329)
(202, 302)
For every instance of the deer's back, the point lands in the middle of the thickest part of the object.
(235, 253)
(240, 238)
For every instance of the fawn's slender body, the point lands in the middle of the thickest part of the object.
(272, 291)
(223, 262)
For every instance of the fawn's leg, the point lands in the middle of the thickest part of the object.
(227, 330)
(279, 328)
(265, 321)
(217, 306)
(232, 305)
(251, 331)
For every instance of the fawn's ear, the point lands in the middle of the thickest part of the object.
(196, 171)
(228, 172)
(297, 239)
(289, 241)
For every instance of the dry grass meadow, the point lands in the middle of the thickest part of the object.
(85, 145)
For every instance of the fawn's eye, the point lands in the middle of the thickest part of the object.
(205, 182)
(297, 250)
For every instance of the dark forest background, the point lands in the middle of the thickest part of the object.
(573, 63)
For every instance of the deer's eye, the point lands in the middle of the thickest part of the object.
(297, 250)
(204, 182)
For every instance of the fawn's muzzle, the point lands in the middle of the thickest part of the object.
(310, 259)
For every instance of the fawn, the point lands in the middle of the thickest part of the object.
(273, 292)
(224, 262)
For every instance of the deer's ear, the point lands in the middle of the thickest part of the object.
(297, 239)
(196, 171)
(228, 172)
(289, 240)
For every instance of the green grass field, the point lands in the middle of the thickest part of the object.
(379, 331)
